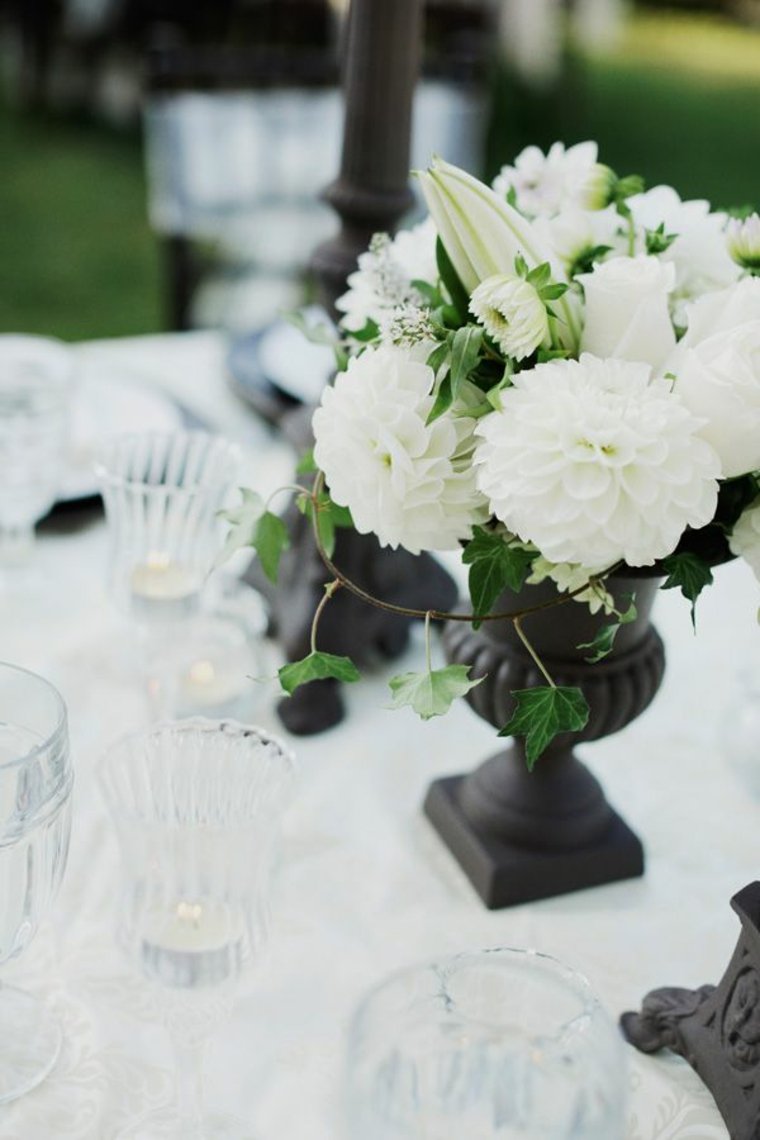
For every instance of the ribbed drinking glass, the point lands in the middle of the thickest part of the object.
(498, 1045)
(196, 807)
(35, 796)
(162, 493)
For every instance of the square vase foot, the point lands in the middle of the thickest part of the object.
(506, 875)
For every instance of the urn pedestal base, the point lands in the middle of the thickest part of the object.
(522, 834)
(505, 874)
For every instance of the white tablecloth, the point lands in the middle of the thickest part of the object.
(365, 886)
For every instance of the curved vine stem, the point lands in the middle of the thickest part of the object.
(431, 615)
(330, 589)
(536, 659)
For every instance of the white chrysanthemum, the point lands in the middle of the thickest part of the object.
(745, 538)
(593, 462)
(511, 311)
(569, 576)
(743, 241)
(410, 483)
(544, 184)
(383, 281)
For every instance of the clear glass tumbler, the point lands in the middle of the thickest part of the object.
(162, 493)
(499, 1045)
(35, 795)
(196, 806)
(35, 397)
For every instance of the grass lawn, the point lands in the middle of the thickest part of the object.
(77, 258)
(678, 101)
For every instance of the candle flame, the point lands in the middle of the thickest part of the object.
(190, 913)
(202, 672)
(158, 560)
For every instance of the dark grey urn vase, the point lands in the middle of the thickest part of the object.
(522, 835)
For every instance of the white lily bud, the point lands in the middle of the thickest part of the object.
(483, 234)
(511, 311)
(743, 242)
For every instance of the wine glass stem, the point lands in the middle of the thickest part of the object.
(16, 544)
(189, 1058)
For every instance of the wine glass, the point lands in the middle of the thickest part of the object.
(195, 804)
(35, 820)
(498, 1044)
(35, 391)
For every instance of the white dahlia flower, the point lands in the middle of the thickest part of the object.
(593, 462)
(544, 184)
(745, 538)
(511, 311)
(383, 281)
(410, 483)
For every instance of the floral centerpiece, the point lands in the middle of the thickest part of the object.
(558, 376)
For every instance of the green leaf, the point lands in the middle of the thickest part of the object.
(553, 292)
(369, 332)
(628, 186)
(431, 693)
(542, 713)
(465, 354)
(438, 356)
(306, 464)
(269, 540)
(494, 566)
(540, 277)
(521, 265)
(454, 287)
(657, 241)
(243, 521)
(602, 642)
(316, 667)
(430, 293)
(443, 400)
(690, 574)
(584, 262)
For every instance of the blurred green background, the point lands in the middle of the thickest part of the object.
(677, 100)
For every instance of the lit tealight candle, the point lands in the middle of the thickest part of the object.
(159, 578)
(208, 685)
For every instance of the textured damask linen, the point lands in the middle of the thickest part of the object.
(364, 885)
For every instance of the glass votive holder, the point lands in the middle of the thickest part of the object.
(162, 495)
(497, 1044)
(209, 669)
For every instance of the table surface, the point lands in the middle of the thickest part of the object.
(364, 885)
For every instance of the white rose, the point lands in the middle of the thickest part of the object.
(717, 369)
(627, 313)
(745, 539)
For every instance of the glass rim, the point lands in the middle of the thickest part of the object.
(47, 349)
(56, 734)
(107, 477)
(192, 724)
(590, 1003)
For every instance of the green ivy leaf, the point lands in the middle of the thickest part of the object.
(454, 287)
(316, 667)
(602, 642)
(269, 540)
(542, 713)
(431, 693)
(494, 566)
(690, 574)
